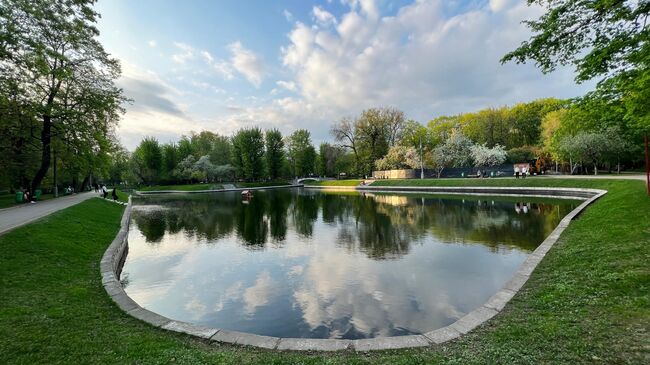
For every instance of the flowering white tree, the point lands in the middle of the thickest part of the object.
(440, 159)
(399, 157)
(484, 156)
(454, 152)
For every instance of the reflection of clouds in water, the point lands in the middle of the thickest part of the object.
(295, 270)
(232, 293)
(347, 267)
(353, 294)
(196, 307)
(258, 294)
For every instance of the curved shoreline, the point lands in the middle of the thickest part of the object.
(113, 259)
(160, 192)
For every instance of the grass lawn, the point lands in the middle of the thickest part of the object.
(259, 184)
(189, 187)
(334, 182)
(587, 302)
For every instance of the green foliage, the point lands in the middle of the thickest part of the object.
(301, 153)
(511, 127)
(370, 135)
(274, 153)
(146, 161)
(522, 154)
(331, 160)
(59, 82)
(248, 153)
(604, 40)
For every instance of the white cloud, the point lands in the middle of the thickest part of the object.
(420, 60)
(207, 57)
(152, 43)
(289, 85)
(187, 53)
(322, 16)
(288, 15)
(247, 63)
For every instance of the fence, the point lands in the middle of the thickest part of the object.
(501, 170)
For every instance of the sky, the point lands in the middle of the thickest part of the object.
(222, 65)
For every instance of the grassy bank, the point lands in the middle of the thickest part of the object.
(334, 183)
(260, 184)
(587, 302)
(188, 187)
(197, 187)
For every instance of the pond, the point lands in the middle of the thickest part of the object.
(314, 264)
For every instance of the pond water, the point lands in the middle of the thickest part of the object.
(314, 264)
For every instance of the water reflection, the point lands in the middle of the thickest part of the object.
(303, 263)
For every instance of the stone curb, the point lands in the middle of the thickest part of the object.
(113, 259)
(157, 192)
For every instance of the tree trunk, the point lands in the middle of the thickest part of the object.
(46, 143)
(595, 168)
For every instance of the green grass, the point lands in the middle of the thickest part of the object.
(334, 183)
(189, 187)
(260, 184)
(587, 302)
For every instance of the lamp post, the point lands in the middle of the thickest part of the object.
(421, 161)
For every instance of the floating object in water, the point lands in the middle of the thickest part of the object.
(246, 194)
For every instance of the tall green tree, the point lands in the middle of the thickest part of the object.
(51, 59)
(301, 153)
(147, 160)
(170, 159)
(248, 153)
(604, 40)
(274, 153)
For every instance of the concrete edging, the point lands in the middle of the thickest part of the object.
(157, 192)
(113, 259)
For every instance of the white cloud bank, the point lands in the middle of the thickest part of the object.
(420, 60)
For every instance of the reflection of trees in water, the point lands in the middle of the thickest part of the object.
(381, 226)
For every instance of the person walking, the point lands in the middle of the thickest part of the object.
(524, 172)
(114, 194)
(517, 172)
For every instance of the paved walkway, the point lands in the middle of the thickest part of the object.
(11, 218)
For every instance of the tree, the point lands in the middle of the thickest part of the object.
(52, 61)
(459, 148)
(301, 153)
(484, 156)
(454, 152)
(170, 160)
(440, 159)
(274, 153)
(119, 165)
(205, 168)
(345, 132)
(399, 157)
(604, 40)
(147, 160)
(186, 168)
(248, 153)
(329, 159)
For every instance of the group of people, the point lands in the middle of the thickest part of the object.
(521, 171)
(101, 188)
